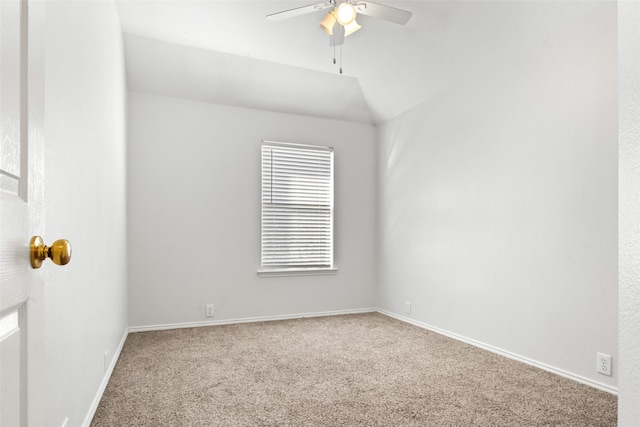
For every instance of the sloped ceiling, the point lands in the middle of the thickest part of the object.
(186, 72)
(226, 52)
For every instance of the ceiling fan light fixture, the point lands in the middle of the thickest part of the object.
(345, 13)
(351, 28)
(328, 22)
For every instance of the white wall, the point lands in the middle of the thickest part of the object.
(85, 165)
(194, 213)
(498, 204)
(629, 207)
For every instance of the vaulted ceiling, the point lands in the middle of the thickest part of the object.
(226, 52)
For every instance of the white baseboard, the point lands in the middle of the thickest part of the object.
(105, 381)
(501, 352)
(163, 327)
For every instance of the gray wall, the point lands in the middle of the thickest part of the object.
(85, 114)
(498, 205)
(194, 213)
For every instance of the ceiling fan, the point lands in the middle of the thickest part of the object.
(341, 19)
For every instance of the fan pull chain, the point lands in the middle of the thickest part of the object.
(340, 59)
(334, 50)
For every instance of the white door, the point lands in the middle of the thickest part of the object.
(21, 216)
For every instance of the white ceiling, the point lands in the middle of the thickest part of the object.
(227, 52)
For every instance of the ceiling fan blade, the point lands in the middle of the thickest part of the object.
(388, 13)
(298, 11)
(338, 35)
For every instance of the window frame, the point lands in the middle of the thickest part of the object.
(296, 270)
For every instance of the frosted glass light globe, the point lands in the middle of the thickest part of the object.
(346, 13)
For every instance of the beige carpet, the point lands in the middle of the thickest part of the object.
(354, 370)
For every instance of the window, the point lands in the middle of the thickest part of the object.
(297, 209)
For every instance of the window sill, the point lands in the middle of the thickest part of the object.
(281, 272)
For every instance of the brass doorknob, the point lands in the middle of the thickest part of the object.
(59, 252)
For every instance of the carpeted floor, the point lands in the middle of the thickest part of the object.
(353, 370)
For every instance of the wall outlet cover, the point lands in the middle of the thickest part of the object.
(603, 364)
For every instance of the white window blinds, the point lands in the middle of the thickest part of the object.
(297, 206)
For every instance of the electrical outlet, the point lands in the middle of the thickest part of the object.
(209, 311)
(604, 364)
(407, 307)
